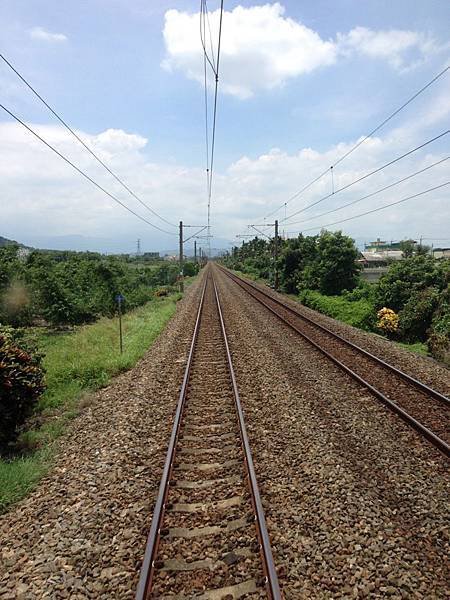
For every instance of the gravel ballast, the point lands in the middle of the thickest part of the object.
(82, 532)
(355, 501)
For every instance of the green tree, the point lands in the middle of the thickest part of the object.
(336, 264)
(410, 275)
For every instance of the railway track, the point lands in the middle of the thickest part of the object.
(421, 407)
(208, 537)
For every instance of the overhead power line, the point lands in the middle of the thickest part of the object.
(363, 177)
(81, 172)
(75, 135)
(358, 144)
(204, 16)
(214, 64)
(383, 189)
(374, 210)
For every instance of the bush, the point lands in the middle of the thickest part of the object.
(21, 384)
(439, 340)
(408, 276)
(190, 269)
(417, 314)
(359, 313)
(388, 321)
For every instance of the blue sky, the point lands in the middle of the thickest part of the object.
(300, 83)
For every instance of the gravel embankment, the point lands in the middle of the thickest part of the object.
(355, 500)
(433, 413)
(424, 368)
(81, 533)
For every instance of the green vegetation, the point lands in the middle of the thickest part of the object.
(77, 363)
(58, 317)
(21, 384)
(71, 288)
(358, 313)
(417, 348)
(410, 304)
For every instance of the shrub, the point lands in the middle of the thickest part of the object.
(359, 313)
(439, 340)
(161, 291)
(21, 384)
(387, 320)
(416, 316)
(190, 269)
(408, 276)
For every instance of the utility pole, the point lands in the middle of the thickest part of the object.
(138, 249)
(195, 251)
(181, 257)
(275, 255)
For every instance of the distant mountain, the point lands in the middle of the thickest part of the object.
(5, 242)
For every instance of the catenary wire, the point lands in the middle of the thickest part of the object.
(210, 34)
(383, 189)
(211, 59)
(97, 158)
(363, 177)
(205, 83)
(393, 114)
(369, 212)
(69, 162)
(215, 67)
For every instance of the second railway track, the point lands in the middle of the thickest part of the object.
(208, 537)
(420, 406)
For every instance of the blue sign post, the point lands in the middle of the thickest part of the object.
(119, 300)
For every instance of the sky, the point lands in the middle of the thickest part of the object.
(299, 85)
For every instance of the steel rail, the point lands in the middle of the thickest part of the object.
(144, 585)
(266, 551)
(439, 443)
(419, 384)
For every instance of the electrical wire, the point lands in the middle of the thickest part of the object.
(85, 175)
(352, 183)
(358, 144)
(215, 68)
(211, 61)
(205, 83)
(97, 158)
(369, 212)
(210, 34)
(387, 187)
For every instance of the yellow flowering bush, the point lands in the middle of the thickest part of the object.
(387, 320)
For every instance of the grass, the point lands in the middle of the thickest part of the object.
(359, 313)
(417, 348)
(78, 363)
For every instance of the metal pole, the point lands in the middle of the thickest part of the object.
(120, 326)
(275, 253)
(195, 251)
(181, 257)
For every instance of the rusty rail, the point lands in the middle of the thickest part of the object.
(147, 570)
(266, 551)
(144, 585)
(439, 443)
(411, 380)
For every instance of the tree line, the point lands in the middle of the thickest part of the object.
(70, 288)
(410, 303)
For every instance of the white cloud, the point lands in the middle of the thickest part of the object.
(399, 48)
(263, 49)
(41, 34)
(41, 195)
